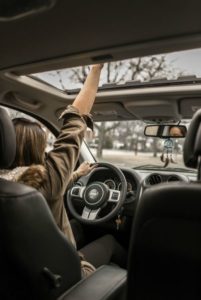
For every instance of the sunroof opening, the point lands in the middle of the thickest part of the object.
(171, 66)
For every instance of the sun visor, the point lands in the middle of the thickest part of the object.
(189, 106)
(110, 112)
(155, 111)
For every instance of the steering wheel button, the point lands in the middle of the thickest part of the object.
(115, 195)
(75, 191)
(86, 213)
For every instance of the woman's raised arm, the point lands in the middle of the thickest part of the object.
(85, 99)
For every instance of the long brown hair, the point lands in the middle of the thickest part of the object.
(31, 142)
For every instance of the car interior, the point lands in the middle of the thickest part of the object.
(153, 210)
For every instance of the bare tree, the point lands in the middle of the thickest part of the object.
(80, 74)
(103, 130)
(138, 69)
(142, 69)
(59, 75)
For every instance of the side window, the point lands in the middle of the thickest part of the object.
(50, 137)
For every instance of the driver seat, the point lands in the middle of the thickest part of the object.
(36, 260)
(165, 251)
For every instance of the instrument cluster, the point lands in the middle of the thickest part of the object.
(115, 185)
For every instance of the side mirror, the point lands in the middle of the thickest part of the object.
(165, 131)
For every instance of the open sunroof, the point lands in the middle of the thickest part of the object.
(175, 68)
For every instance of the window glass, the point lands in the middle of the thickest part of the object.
(125, 145)
(50, 137)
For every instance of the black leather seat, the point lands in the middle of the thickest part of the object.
(165, 252)
(36, 260)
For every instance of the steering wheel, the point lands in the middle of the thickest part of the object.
(96, 195)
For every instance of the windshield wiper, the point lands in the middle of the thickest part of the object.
(153, 167)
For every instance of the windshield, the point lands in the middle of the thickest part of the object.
(125, 145)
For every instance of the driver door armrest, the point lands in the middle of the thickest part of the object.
(107, 282)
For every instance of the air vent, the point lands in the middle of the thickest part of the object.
(154, 179)
(173, 178)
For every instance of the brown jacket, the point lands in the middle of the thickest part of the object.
(53, 178)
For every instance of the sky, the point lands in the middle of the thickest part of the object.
(189, 60)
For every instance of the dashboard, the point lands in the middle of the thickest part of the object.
(137, 181)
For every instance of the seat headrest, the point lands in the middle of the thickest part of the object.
(7, 140)
(192, 145)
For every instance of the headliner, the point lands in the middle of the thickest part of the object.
(88, 31)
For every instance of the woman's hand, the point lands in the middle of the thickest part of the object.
(85, 168)
(97, 66)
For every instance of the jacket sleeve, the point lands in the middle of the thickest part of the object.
(62, 159)
(73, 179)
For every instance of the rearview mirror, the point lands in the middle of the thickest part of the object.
(165, 131)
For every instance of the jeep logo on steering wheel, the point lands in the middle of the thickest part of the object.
(93, 194)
